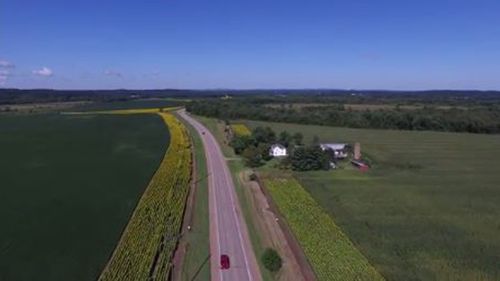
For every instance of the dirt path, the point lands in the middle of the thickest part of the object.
(273, 235)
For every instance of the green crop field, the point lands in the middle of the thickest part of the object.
(130, 104)
(428, 210)
(69, 185)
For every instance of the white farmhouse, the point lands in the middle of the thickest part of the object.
(277, 150)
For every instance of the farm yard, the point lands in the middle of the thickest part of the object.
(427, 210)
(69, 185)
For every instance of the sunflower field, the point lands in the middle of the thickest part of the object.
(149, 240)
(240, 130)
(330, 252)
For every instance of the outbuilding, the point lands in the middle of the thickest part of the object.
(339, 149)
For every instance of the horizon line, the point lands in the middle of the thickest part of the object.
(251, 89)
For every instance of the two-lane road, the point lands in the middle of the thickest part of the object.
(228, 231)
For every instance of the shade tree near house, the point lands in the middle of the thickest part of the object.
(255, 148)
(262, 145)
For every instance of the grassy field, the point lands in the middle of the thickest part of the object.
(429, 208)
(68, 187)
(130, 104)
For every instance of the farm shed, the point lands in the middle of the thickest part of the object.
(339, 149)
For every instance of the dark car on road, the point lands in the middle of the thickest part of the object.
(224, 262)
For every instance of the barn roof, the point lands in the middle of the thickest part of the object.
(333, 146)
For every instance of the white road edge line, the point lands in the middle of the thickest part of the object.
(226, 168)
(214, 200)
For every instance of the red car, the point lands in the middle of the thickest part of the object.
(224, 262)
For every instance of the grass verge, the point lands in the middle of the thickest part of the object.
(195, 265)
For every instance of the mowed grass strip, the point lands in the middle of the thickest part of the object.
(148, 242)
(330, 252)
(240, 129)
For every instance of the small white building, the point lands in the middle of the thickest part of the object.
(339, 149)
(277, 150)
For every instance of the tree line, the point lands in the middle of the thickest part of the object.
(484, 119)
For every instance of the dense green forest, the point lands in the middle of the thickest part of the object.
(450, 113)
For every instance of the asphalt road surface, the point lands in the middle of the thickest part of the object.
(228, 230)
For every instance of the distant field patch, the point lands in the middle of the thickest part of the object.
(330, 252)
(375, 107)
(132, 104)
(68, 187)
(41, 107)
(240, 130)
(297, 106)
(123, 111)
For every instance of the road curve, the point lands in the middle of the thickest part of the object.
(228, 231)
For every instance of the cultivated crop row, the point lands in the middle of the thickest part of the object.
(330, 252)
(146, 246)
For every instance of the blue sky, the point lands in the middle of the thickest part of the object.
(106, 44)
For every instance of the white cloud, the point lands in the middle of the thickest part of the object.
(6, 64)
(113, 73)
(4, 75)
(44, 71)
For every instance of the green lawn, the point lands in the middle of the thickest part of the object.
(68, 186)
(428, 210)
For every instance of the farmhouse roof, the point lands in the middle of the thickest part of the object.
(279, 145)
